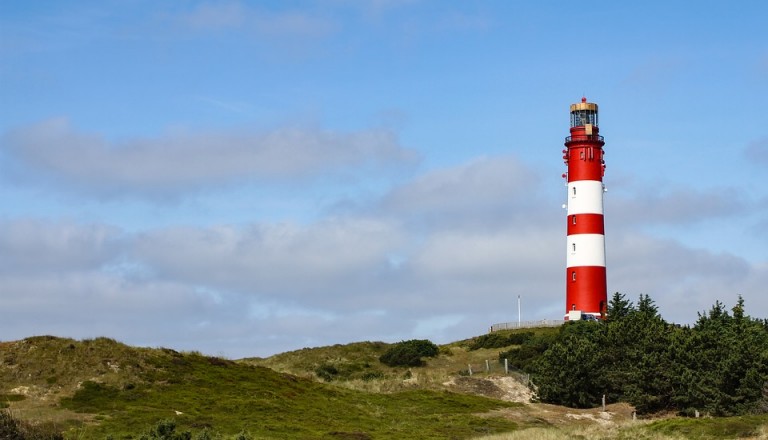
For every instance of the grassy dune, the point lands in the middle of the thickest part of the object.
(105, 388)
(94, 388)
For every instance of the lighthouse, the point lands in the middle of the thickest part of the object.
(586, 294)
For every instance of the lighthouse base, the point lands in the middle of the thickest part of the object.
(586, 290)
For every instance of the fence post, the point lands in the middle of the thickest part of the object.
(603, 402)
(487, 366)
(470, 369)
(506, 366)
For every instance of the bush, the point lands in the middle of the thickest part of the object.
(166, 430)
(498, 340)
(9, 427)
(409, 353)
(327, 372)
(372, 375)
(530, 349)
(12, 429)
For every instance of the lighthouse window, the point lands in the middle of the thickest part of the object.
(573, 219)
(582, 155)
(574, 190)
(580, 118)
(574, 247)
(573, 276)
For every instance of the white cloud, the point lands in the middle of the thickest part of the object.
(260, 288)
(180, 162)
(659, 204)
(38, 246)
(486, 192)
(323, 263)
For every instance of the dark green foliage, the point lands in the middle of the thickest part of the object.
(500, 339)
(347, 369)
(9, 427)
(12, 429)
(372, 375)
(99, 396)
(166, 430)
(5, 399)
(618, 307)
(326, 372)
(409, 353)
(728, 358)
(531, 349)
(720, 366)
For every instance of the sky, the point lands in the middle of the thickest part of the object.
(246, 178)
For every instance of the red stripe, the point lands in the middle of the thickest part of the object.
(585, 162)
(588, 292)
(586, 224)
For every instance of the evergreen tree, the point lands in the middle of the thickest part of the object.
(570, 371)
(618, 307)
(720, 365)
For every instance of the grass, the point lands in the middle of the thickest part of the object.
(201, 392)
(746, 427)
(272, 405)
(358, 366)
(98, 387)
(714, 428)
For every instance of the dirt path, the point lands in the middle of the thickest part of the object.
(509, 389)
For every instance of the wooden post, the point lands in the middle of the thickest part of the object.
(487, 366)
(603, 402)
(470, 369)
(506, 366)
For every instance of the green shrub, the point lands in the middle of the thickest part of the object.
(529, 350)
(498, 340)
(9, 427)
(372, 375)
(409, 353)
(12, 429)
(327, 372)
(166, 430)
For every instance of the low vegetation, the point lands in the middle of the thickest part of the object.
(501, 339)
(409, 353)
(13, 429)
(719, 366)
(123, 392)
(745, 427)
(55, 388)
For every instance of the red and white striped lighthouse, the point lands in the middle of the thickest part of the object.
(586, 293)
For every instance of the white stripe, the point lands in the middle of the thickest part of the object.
(585, 250)
(585, 197)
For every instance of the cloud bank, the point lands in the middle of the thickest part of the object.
(441, 256)
(53, 150)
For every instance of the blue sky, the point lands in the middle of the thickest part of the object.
(246, 178)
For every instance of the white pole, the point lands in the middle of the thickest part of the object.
(518, 311)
